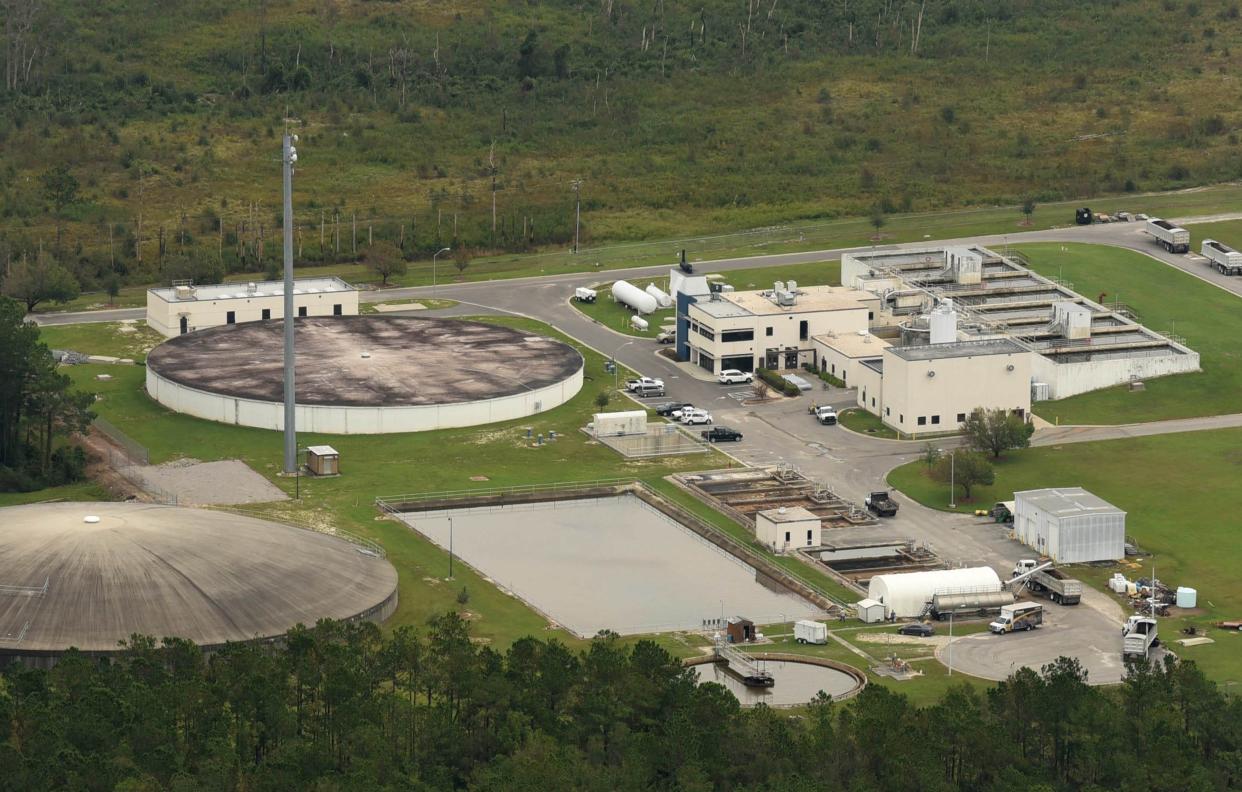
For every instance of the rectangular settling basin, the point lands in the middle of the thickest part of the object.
(610, 563)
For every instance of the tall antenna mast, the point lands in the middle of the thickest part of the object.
(289, 155)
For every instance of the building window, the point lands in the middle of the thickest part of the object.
(737, 335)
(961, 417)
(768, 331)
(872, 401)
(834, 368)
(336, 309)
(808, 538)
(922, 420)
(302, 311)
(230, 317)
(804, 329)
(703, 331)
(901, 418)
(870, 315)
(888, 412)
(935, 419)
(787, 537)
(267, 313)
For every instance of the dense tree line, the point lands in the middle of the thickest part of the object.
(345, 707)
(38, 409)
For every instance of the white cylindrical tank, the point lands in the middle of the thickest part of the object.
(663, 299)
(905, 594)
(627, 293)
(638, 322)
(943, 323)
(1187, 597)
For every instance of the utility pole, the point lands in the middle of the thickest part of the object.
(577, 185)
(289, 155)
(953, 478)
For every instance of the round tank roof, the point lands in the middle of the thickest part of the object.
(207, 576)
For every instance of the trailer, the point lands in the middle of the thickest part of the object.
(968, 603)
(1048, 580)
(1019, 616)
(1171, 237)
(810, 632)
(1223, 258)
(1138, 636)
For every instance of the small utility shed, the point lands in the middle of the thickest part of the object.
(1069, 525)
(870, 611)
(323, 460)
(783, 528)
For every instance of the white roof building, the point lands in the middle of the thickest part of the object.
(1069, 525)
(906, 594)
(179, 309)
(786, 528)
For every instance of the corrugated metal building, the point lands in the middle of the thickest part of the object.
(1070, 525)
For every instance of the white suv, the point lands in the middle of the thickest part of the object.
(733, 376)
(692, 417)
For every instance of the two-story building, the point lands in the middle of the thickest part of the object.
(771, 329)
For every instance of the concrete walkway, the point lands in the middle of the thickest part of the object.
(1059, 435)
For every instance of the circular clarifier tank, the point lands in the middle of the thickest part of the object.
(796, 681)
(365, 374)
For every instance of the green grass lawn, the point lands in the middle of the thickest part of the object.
(1182, 501)
(859, 420)
(1166, 299)
(131, 340)
(82, 491)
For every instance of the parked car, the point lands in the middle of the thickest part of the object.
(917, 629)
(696, 417)
(734, 376)
(668, 408)
(635, 383)
(720, 434)
(645, 389)
(665, 337)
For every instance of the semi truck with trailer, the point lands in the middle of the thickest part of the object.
(1170, 237)
(1018, 616)
(1223, 258)
(1049, 581)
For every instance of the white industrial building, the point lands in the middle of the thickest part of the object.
(1077, 345)
(905, 595)
(1069, 525)
(184, 308)
(786, 528)
(771, 329)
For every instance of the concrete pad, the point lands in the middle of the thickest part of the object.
(387, 308)
(1196, 641)
(100, 359)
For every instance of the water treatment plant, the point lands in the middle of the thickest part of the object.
(365, 374)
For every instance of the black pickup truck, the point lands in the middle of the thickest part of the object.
(881, 504)
(719, 434)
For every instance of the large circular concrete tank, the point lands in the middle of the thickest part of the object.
(627, 293)
(906, 594)
(663, 299)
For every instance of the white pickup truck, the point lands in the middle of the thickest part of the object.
(644, 383)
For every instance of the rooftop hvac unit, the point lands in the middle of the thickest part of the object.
(792, 286)
(778, 287)
(785, 298)
(185, 293)
(252, 287)
(1039, 391)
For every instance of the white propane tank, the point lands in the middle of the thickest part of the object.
(627, 293)
(638, 322)
(1187, 597)
(663, 299)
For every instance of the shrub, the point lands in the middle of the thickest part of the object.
(777, 382)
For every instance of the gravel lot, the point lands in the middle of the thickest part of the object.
(189, 482)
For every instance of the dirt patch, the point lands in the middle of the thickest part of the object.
(187, 482)
(895, 638)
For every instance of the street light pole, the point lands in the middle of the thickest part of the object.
(289, 155)
(616, 371)
(577, 185)
(450, 577)
(952, 478)
(950, 643)
(435, 256)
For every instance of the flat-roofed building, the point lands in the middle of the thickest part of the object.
(771, 328)
(842, 354)
(184, 308)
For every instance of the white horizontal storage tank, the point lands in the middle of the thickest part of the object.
(612, 424)
(662, 299)
(639, 323)
(627, 293)
(905, 594)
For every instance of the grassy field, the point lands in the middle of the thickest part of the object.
(616, 316)
(1182, 503)
(428, 303)
(131, 340)
(82, 491)
(1166, 300)
(859, 420)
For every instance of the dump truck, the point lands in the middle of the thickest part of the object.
(1170, 237)
(1018, 616)
(1050, 581)
(881, 504)
(1138, 636)
(1223, 258)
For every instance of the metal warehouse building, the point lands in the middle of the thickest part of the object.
(1070, 525)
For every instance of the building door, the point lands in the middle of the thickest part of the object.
(185, 325)
(774, 359)
(302, 311)
(267, 313)
(336, 309)
(791, 359)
